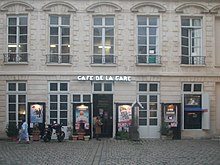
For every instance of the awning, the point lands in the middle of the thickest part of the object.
(197, 109)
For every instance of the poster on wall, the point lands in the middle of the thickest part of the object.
(124, 117)
(82, 117)
(36, 113)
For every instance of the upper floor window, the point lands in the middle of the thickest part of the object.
(191, 39)
(103, 40)
(17, 33)
(59, 39)
(148, 40)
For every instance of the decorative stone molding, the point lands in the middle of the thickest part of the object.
(28, 7)
(203, 8)
(91, 8)
(48, 6)
(161, 8)
(215, 9)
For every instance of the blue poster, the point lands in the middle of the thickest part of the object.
(36, 113)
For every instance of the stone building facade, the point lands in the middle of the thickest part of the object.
(106, 54)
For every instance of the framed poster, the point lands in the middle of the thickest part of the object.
(124, 113)
(82, 117)
(36, 112)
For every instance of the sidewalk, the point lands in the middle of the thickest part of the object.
(112, 152)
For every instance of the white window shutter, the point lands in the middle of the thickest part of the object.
(205, 114)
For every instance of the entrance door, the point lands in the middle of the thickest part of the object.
(103, 107)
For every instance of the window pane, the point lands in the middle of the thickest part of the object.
(98, 21)
(142, 113)
(53, 86)
(12, 21)
(54, 20)
(63, 122)
(153, 113)
(63, 98)
(153, 121)
(187, 87)
(12, 86)
(109, 21)
(65, 31)
(86, 98)
(65, 20)
(21, 86)
(142, 31)
(53, 98)
(142, 87)
(12, 107)
(97, 31)
(63, 86)
(12, 98)
(109, 31)
(12, 116)
(21, 98)
(63, 114)
(76, 98)
(153, 106)
(53, 114)
(153, 98)
(153, 87)
(142, 20)
(23, 21)
(107, 87)
(97, 87)
(152, 21)
(53, 30)
(185, 22)
(63, 106)
(197, 87)
(143, 98)
(23, 30)
(53, 106)
(12, 30)
(142, 121)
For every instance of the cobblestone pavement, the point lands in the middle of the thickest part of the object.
(112, 152)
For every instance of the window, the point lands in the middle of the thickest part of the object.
(192, 105)
(102, 87)
(17, 101)
(84, 98)
(58, 102)
(148, 95)
(148, 42)
(191, 39)
(59, 39)
(17, 40)
(103, 40)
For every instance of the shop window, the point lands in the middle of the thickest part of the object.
(58, 102)
(195, 107)
(149, 98)
(17, 101)
(102, 87)
(81, 98)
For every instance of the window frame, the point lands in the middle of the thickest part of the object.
(59, 57)
(147, 104)
(103, 57)
(148, 56)
(17, 51)
(190, 57)
(19, 112)
(59, 94)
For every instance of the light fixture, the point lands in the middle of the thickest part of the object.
(12, 46)
(106, 47)
(52, 46)
(82, 107)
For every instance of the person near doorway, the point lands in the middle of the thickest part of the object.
(23, 133)
(98, 125)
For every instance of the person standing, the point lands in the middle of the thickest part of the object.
(98, 125)
(24, 132)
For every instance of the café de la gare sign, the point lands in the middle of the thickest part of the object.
(103, 78)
